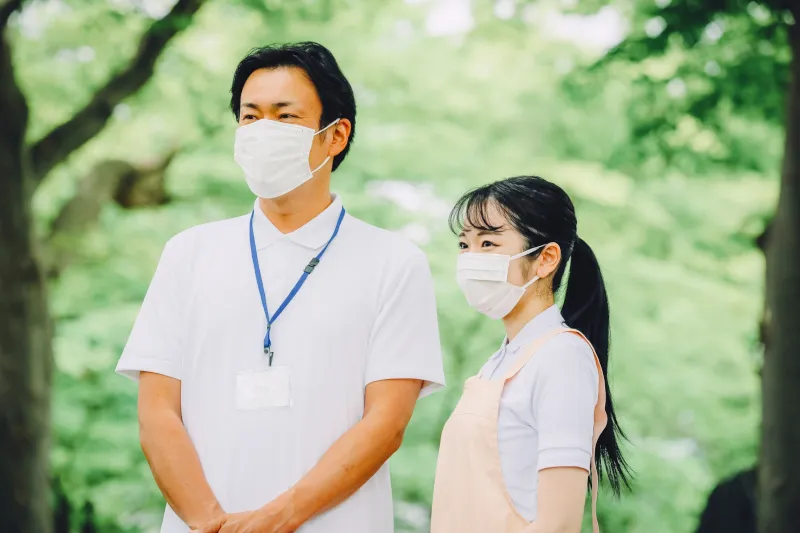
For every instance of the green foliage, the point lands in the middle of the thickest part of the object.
(670, 193)
(703, 79)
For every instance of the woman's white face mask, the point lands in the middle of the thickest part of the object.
(274, 156)
(484, 280)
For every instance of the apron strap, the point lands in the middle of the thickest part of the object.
(595, 524)
(600, 421)
(600, 416)
(531, 350)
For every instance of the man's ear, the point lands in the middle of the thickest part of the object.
(341, 136)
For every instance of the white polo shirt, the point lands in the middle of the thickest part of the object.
(546, 413)
(366, 313)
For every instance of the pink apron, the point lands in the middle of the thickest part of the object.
(470, 495)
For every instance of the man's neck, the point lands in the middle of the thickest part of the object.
(294, 210)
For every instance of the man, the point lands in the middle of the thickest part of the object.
(280, 354)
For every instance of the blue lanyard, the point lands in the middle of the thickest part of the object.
(306, 271)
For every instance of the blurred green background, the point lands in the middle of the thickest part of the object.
(670, 149)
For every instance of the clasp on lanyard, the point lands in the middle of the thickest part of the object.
(269, 353)
(311, 265)
(268, 344)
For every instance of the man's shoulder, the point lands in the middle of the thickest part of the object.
(383, 242)
(216, 234)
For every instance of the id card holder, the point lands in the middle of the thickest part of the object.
(264, 389)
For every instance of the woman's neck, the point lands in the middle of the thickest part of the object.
(294, 210)
(525, 311)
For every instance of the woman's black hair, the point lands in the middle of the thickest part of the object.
(333, 89)
(543, 213)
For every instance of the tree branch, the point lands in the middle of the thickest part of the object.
(89, 121)
(6, 8)
(130, 185)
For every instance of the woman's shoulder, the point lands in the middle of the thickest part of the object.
(565, 353)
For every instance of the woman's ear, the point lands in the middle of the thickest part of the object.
(548, 260)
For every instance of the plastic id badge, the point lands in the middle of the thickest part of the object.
(264, 389)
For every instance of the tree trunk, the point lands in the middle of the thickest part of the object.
(25, 327)
(779, 469)
(25, 333)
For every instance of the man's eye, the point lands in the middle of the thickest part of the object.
(286, 116)
(248, 117)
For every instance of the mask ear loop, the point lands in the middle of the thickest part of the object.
(329, 157)
(322, 165)
(531, 282)
(526, 252)
(523, 254)
(328, 126)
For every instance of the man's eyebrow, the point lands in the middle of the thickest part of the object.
(275, 106)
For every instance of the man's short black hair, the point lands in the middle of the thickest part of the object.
(332, 87)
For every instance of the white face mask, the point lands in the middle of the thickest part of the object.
(484, 280)
(274, 156)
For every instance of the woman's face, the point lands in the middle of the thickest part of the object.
(506, 241)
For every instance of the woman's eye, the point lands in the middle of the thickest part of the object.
(248, 117)
(463, 245)
(487, 244)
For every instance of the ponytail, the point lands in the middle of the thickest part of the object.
(586, 309)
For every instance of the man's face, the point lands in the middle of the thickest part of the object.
(286, 94)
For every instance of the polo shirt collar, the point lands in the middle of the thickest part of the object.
(314, 234)
(547, 320)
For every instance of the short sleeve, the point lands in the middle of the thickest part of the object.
(404, 342)
(564, 396)
(157, 341)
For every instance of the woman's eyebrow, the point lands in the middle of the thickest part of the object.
(481, 232)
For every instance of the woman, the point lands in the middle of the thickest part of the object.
(538, 417)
